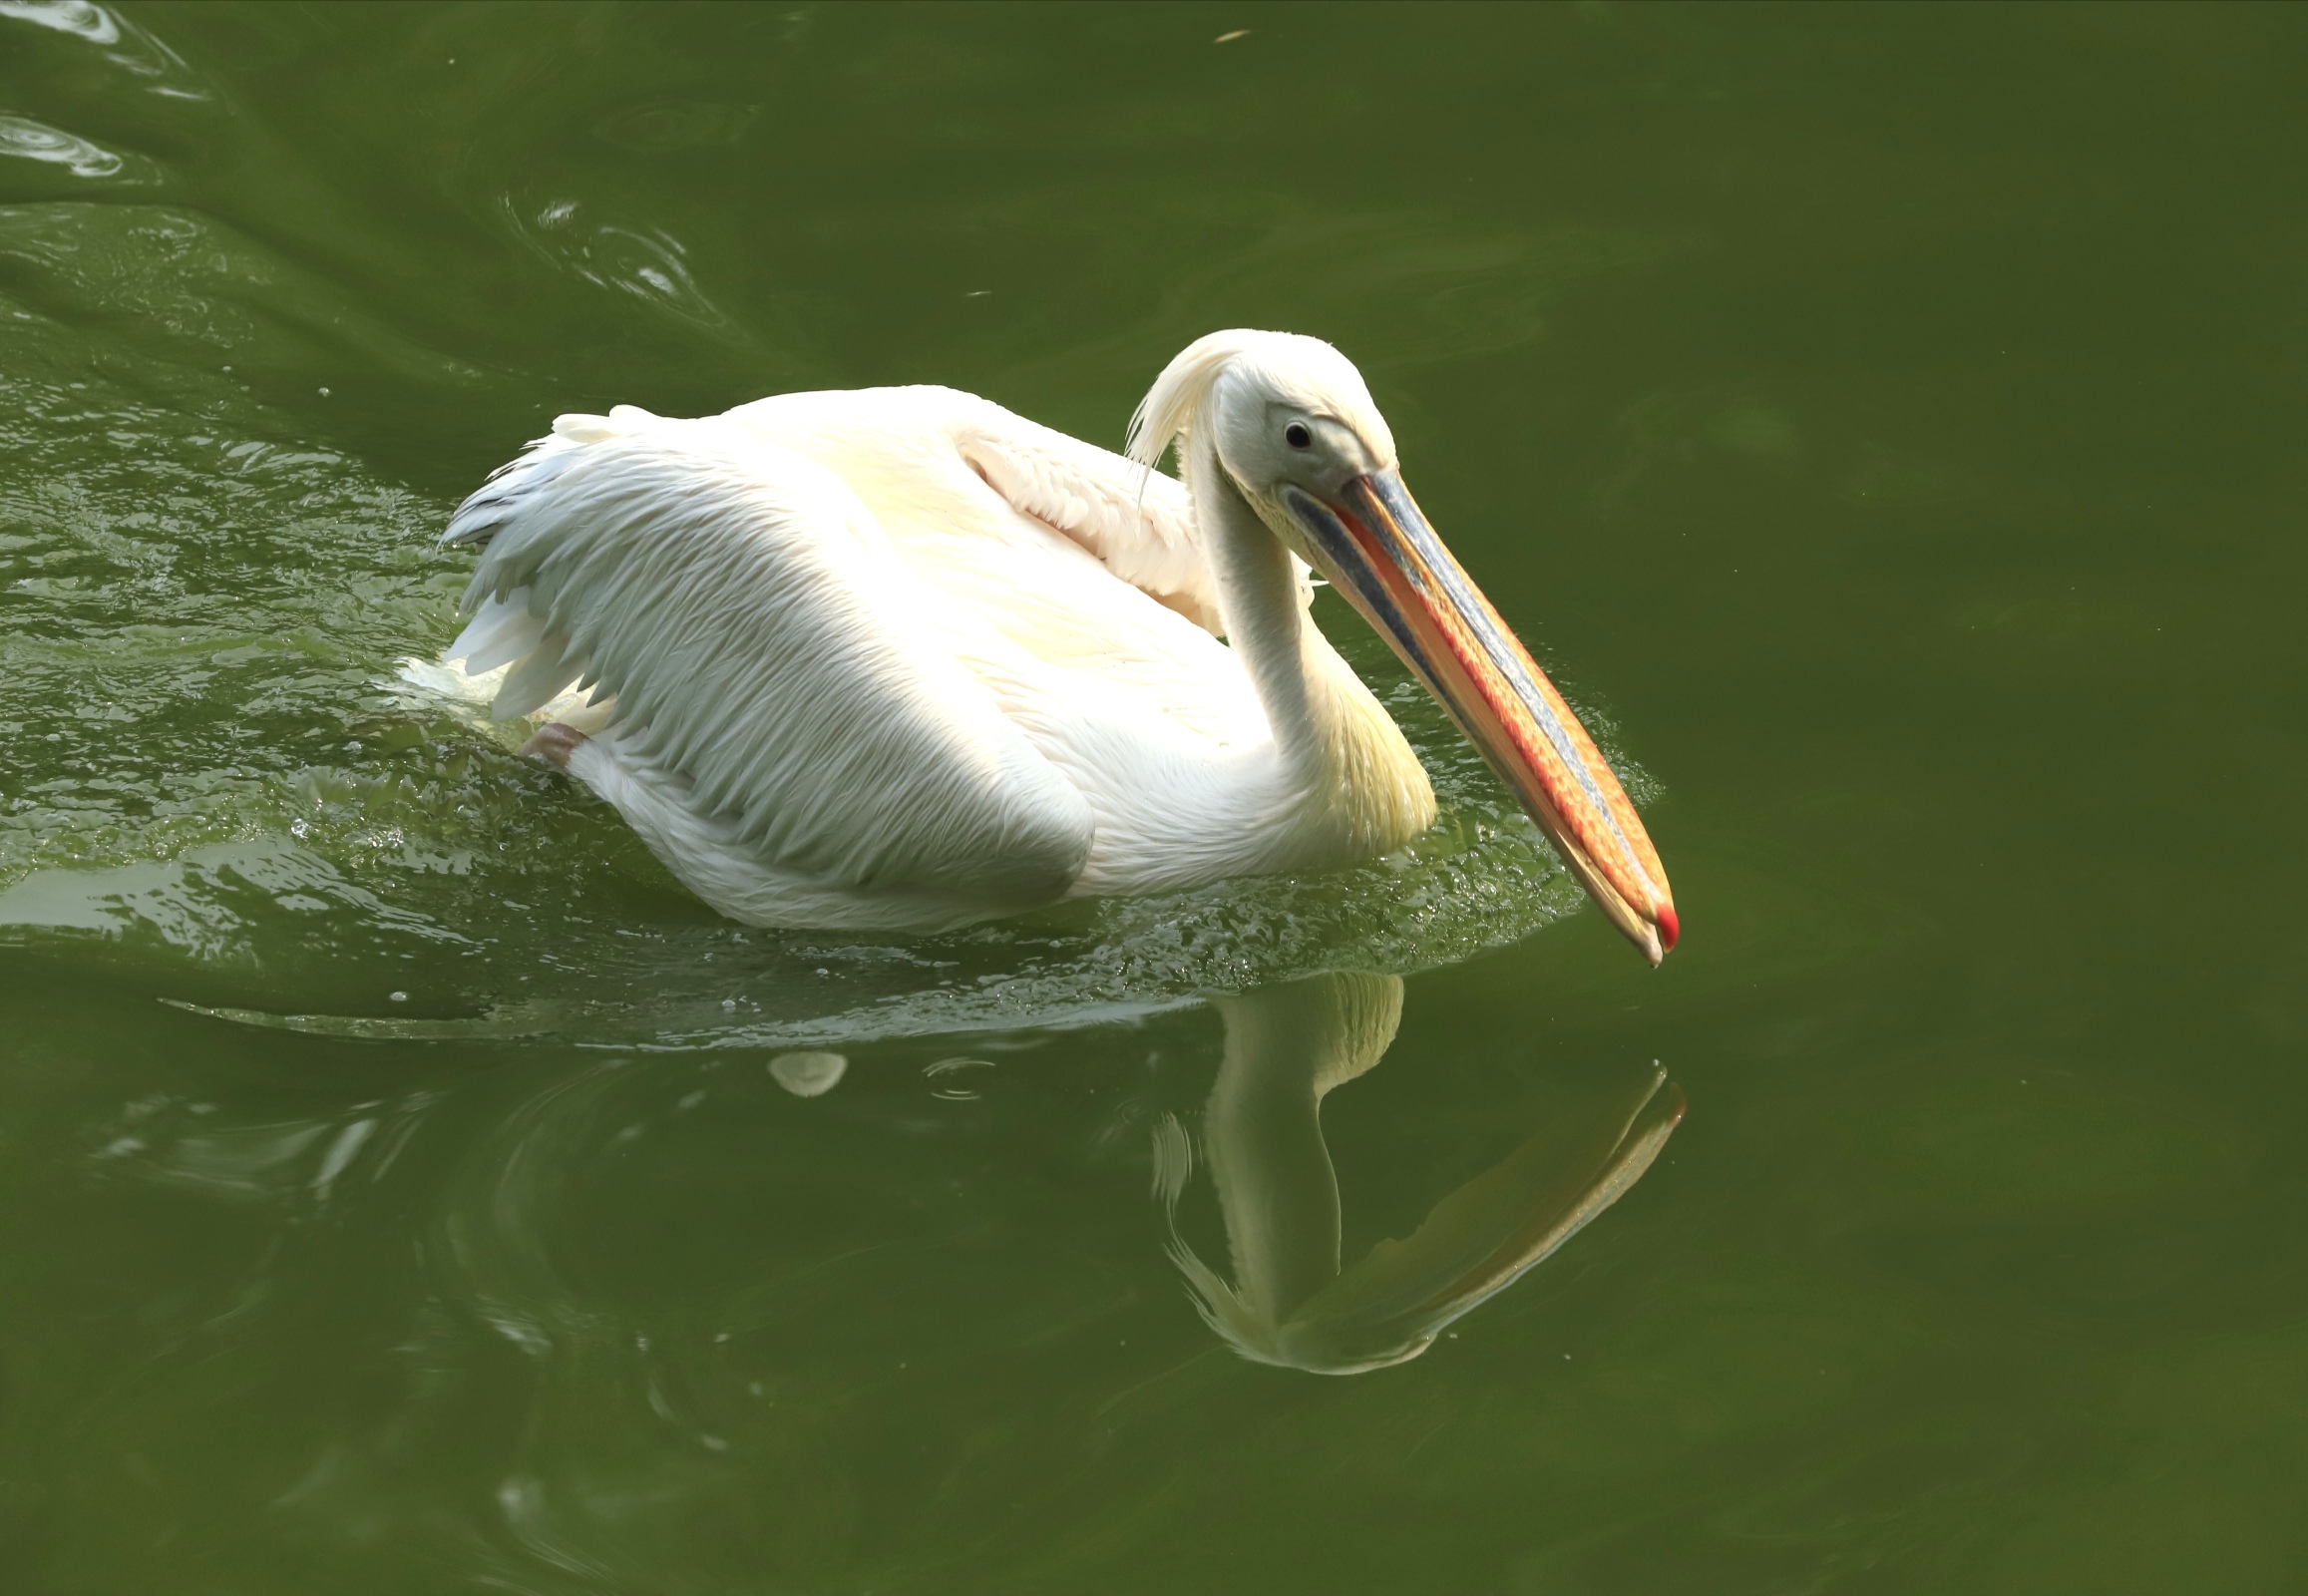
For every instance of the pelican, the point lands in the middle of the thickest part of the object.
(896, 659)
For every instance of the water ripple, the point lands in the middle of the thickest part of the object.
(27, 139)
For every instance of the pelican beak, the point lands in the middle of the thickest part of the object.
(1377, 548)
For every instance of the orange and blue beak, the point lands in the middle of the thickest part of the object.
(1377, 548)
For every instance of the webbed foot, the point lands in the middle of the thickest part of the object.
(553, 743)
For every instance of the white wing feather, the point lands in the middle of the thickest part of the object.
(768, 654)
(913, 451)
(1138, 522)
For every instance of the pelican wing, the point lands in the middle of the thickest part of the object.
(767, 652)
(925, 457)
(1136, 521)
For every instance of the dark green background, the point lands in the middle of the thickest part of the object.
(1887, 422)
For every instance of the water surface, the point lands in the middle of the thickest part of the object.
(1886, 423)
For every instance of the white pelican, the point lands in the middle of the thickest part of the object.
(897, 658)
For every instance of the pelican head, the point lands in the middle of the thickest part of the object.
(1294, 429)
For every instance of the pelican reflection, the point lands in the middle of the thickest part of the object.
(1290, 1302)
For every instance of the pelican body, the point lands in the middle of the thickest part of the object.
(896, 659)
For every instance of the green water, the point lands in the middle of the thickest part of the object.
(1888, 424)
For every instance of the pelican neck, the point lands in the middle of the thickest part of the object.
(1267, 624)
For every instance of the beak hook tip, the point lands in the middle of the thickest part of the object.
(1669, 929)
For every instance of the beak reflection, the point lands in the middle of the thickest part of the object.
(1378, 550)
(1291, 1303)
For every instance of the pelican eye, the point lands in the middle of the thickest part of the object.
(1297, 436)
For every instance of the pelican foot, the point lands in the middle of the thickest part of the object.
(553, 743)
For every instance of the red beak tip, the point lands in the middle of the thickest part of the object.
(1669, 927)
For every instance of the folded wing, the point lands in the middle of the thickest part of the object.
(1138, 522)
(768, 657)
